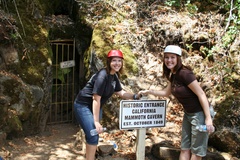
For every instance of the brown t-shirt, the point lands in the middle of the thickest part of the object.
(182, 92)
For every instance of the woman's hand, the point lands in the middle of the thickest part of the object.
(210, 128)
(209, 124)
(99, 127)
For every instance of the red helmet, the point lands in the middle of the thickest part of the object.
(115, 53)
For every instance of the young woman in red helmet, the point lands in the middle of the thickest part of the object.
(88, 103)
(184, 86)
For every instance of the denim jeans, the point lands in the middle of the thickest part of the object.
(84, 117)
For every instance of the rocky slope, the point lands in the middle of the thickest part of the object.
(148, 27)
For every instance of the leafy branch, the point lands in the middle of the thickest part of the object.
(230, 16)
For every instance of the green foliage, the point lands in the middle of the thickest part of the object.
(13, 123)
(224, 68)
(60, 73)
(229, 36)
(173, 3)
(232, 22)
(189, 46)
(192, 8)
(205, 51)
(224, 65)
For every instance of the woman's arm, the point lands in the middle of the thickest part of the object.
(195, 87)
(163, 93)
(126, 95)
(96, 111)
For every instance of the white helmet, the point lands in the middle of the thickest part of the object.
(173, 49)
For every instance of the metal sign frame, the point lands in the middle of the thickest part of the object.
(142, 114)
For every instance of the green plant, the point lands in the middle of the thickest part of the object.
(205, 51)
(229, 36)
(192, 8)
(173, 3)
(60, 74)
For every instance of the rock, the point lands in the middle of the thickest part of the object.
(8, 56)
(227, 156)
(3, 137)
(171, 153)
(105, 149)
(213, 156)
(226, 140)
(164, 150)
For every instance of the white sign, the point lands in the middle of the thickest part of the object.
(67, 64)
(142, 114)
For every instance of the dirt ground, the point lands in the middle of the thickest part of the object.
(58, 143)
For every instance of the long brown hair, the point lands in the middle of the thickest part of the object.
(167, 72)
(108, 67)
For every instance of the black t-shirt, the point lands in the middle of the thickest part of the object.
(102, 84)
(183, 93)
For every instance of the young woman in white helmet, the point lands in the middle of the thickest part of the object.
(88, 103)
(186, 89)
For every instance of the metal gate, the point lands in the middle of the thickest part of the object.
(63, 68)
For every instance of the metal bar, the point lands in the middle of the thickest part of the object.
(56, 89)
(62, 90)
(73, 80)
(68, 79)
(61, 110)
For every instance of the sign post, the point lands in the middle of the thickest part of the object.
(142, 114)
(140, 144)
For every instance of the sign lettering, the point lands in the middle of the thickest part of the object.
(142, 114)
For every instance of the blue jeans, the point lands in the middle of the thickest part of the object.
(84, 117)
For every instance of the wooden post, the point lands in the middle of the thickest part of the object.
(140, 144)
(130, 107)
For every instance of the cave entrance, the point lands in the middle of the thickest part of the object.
(63, 90)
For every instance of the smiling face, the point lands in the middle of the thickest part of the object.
(116, 64)
(170, 60)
